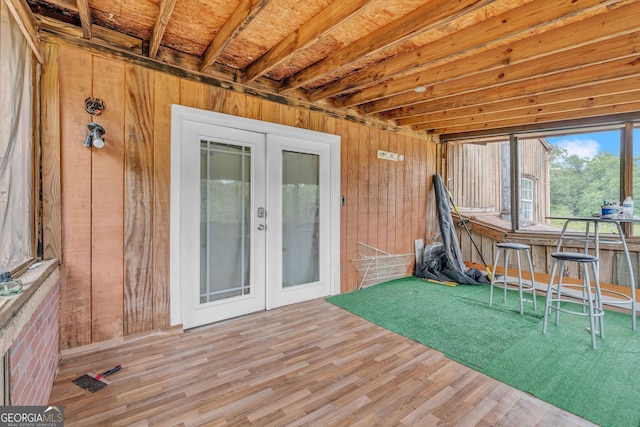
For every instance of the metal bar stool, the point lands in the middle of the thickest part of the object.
(504, 283)
(587, 298)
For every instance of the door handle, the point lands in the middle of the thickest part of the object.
(262, 227)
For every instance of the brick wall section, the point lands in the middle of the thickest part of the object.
(35, 354)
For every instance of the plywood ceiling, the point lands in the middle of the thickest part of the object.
(482, 64)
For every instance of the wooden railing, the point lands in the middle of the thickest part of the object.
(612, 269)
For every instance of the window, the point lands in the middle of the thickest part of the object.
(546, 174)
(526, 198)
(533, 171)
(16, 94)
(585, 172)
(479, 177)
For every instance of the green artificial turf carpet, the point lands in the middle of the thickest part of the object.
(559, 367)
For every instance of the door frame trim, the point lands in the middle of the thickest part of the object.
(180, 114)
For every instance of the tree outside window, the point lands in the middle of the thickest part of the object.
(560, 175)
(585, 171)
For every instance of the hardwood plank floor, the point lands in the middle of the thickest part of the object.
(309, 364)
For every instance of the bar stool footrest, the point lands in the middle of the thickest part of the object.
(625, 299)
(596, 310)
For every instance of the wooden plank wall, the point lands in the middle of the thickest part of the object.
(535, 163)
(475, 175)
(112, 234)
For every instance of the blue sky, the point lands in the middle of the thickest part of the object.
(588, 144)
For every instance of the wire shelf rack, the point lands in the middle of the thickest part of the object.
(376, 266)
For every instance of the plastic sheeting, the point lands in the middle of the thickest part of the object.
(16, 95)
(444, 261)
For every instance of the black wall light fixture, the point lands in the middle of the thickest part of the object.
(95, 107)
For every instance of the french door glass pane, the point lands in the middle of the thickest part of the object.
(300, 225)
(225, 209)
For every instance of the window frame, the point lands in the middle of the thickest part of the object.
(531, 201)
(625, 127)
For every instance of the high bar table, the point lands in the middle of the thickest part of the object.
(597, 220)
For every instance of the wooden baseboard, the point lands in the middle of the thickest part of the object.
(99, 346)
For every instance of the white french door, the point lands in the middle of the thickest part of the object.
(223, 262)
(255, 222)
(299, 220)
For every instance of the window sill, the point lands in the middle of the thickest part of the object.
(542, 238)
(38, 279)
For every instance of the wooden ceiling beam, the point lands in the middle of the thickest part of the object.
(509, 27)
(591, 121)
(109, 40)
(625, 74)
(555, 42)
(26, 21)
(532, 111)
(539, 100)
(483, 62)
(162, 20)
(519, 122)
(241, 17)
(66, 4)
(524, 60)
(450, 78)
(329, 18)
(619, 70)
(85, 18)
(424, 18)
(101, 35)
(622, 71)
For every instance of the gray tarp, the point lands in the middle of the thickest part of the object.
(444, 261)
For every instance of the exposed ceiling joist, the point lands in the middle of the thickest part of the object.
(482, 63)
(246, 11)
(554, 85)
(552, 89)
(334, 15)
(85, 17)
(579, 78)
(579, 61)
(564, 116)
(411, 25)
(501, 30)
(164, 14)
(542, 54)
(555, 42)
(573, 106)
(540, 101)
(66, 4)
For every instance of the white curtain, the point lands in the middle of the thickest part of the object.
(16, 93)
